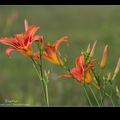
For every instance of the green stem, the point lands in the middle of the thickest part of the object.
(94, 96)
(102, 87)
(112, 102)
(36, 69)
(110, 99)
(96, 77)
(118, 101)
(87, 95)
(84, 81)
(44, 83)
(103, 96)
(102, 91)
(45, 87)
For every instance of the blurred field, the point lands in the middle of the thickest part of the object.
(83, 24)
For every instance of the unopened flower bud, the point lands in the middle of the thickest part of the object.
(109, 76)
(46, 73)
(88, 49)
(104, 57)
(116, 69)
(93, 49)
(26, 24)
(117, 91)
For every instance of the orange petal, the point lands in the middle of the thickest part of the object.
(28, 39)
(32, 30)
(8, 41)
(51, 55)
(49, 50)
(53, 58)
(77, 73)
(19, 36)
(88, 78)
(58, 42)
(66, 76)
(9, 50)
(80, 61)
(37, 37)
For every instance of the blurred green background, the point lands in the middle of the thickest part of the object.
(82, 23)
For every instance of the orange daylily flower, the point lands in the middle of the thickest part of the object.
(78, 71)
(52, 53)
(22, 42)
